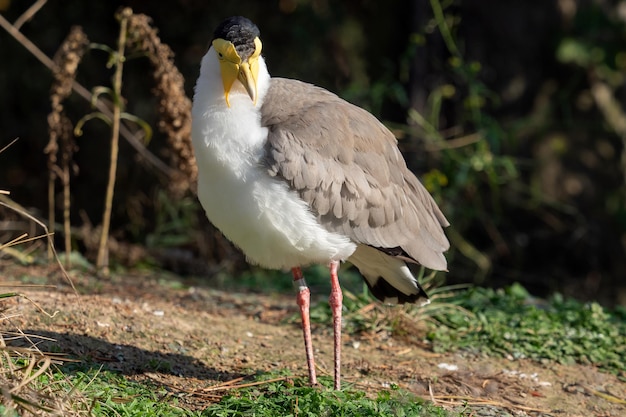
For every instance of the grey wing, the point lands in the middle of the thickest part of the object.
(346, 165)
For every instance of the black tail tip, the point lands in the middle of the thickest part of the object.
(389, 294)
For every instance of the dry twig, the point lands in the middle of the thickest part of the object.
(29, 13)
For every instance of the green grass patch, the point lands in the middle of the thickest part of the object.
(293, 398)
(112, 394)
(509, 322)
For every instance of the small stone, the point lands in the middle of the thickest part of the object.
(448, 366)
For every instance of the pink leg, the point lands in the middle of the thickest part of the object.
(304, 298)
(336, 302)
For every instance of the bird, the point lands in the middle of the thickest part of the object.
(293, 175)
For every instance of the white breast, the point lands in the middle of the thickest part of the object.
(257, 212)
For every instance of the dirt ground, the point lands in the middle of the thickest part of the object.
(190, 339)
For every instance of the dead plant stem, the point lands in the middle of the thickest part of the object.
(66, 213)
(29, 13)
(51, 207)
(103, 250)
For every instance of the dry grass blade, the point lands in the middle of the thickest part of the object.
(225, 387)
(30, 376)
(604, 395)
(466, 400)
(9, 144)
(23, 238)
(225, 384)
(21, 256)
(41, 309)
(13, 241)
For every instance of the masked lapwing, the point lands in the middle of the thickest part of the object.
(293, 175)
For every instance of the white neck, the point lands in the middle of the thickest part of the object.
(233, 135)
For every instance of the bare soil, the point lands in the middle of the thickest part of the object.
(191, 338)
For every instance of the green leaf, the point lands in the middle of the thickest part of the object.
(102, 47)
(142, 123)
(96, 92)
(78, 130)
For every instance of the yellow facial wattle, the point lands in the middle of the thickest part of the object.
(232, 67)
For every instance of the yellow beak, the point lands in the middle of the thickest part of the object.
(247, 77)
(233, 69)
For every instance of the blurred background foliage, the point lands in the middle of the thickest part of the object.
(512, 112)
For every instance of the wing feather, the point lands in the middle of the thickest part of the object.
(347, 166)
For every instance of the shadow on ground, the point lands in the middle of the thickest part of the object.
(127, 359)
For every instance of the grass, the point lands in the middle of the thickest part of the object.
(510, 323)
(285, 398)
(112, 394)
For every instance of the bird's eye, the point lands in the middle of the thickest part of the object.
(220, 55)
